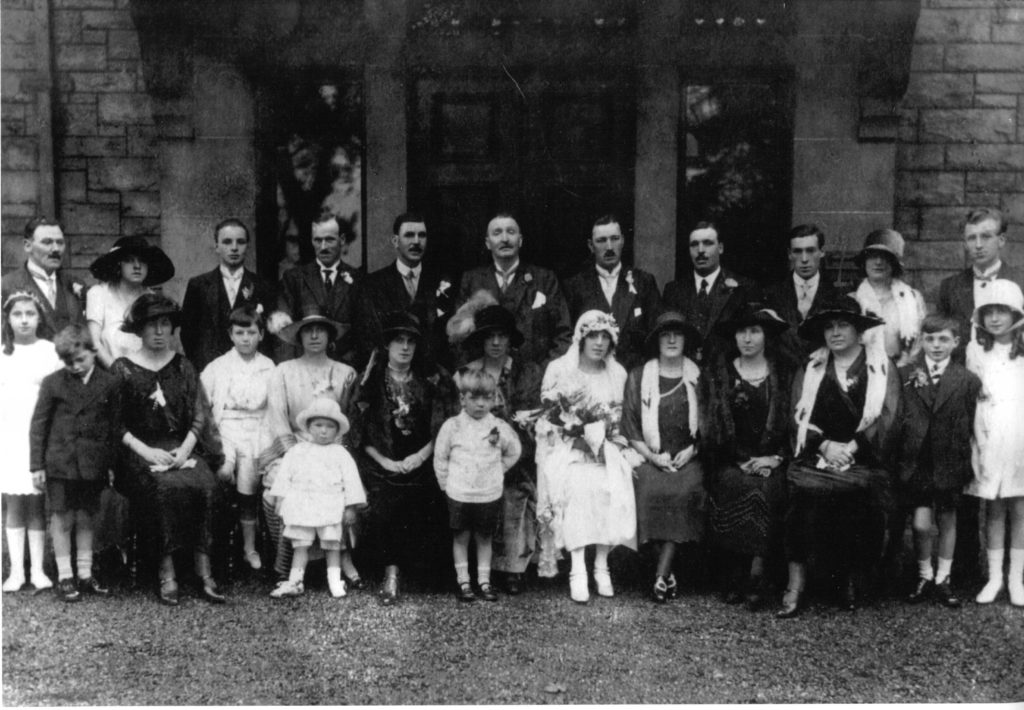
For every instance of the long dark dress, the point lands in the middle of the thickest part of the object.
(407, 513)
(670, 506)
(160, 409)
(741, 421)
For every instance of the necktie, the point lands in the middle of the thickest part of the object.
(231, 286)
(51, 289)
(505, 279)
(703, 305)
(328, 278)
(935, 375)
(410, 284)
(803, 304)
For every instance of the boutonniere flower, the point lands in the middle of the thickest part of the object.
(851, 382)
(629, 280)
(77, 288)
(247, 292)
(528, 277)
(442, 289)
(493, 437)
(259, 309)
(347, 277)
(919, 378)
(731, 283)
(158, 397)
(539, 300)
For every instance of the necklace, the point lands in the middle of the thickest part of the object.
(755, 377)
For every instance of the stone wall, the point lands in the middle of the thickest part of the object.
(104, 143)
(962, 131)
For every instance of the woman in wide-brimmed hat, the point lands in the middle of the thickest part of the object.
(403, 401)
(294, 385)
(883, 293)
(490, 346)
(660, 419)
(846, 401)
(997, 357)
(167, 470)
(124, 273)
(745, 425)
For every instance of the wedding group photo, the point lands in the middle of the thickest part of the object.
(400, 352)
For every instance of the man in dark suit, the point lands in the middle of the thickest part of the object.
(405, 284)
(802, 291)
(630, 295)
(210, 297)
(62, 295)
(709, 294)
(324, 287)
(530, 292)
(984, 241)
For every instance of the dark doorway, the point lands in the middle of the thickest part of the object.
(736, 155)
(556, 150)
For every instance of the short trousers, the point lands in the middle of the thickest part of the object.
(480, 518)
(65, 496)
(241, 440)
(937, 500)
(303, 536)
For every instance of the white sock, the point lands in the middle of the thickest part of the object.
(1015, 576)
(924, 569)
(16, 549)
(64, 570)
(601, 558)
(944, 568)
(483, 574)
(36, 549)
(84, 560)
(296, 574)
(579, 561)
(462, 572)
(334, 573)
(995, 565)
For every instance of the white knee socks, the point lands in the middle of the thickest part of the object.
(36, 547)
(1015, 577)
(991, 590)
(16, 550)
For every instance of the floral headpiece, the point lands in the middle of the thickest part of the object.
(595, 322)
(22, 296)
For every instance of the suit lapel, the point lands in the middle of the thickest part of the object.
(622, 301)
(33, 287)
(720, 295)
(315, 283)
(517, 290)
(948, 384)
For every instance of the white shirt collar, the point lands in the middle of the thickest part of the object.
(38, 272)
(936, 368)
(811, 283)
(332, 267)
(989, 273)
(88, 376)
(613, 274)
(405, 270)
(228, 275)
(710, 278)
(511, 270)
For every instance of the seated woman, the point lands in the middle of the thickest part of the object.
(165, 416)
(584, 484)
(845, 408)
(745, 407)
(401, 406)
(660, 420)
(489, 348)
(293, 386)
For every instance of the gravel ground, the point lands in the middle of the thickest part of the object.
(535, 648)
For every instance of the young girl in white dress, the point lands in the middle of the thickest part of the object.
(26, 360)
(997, 357)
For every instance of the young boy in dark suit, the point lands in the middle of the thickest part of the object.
(74, 440)
(934, 460)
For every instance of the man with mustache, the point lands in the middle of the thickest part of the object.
(630, 295)
(709, 294)
(210, 297)
(530, 292)
(323, 287)
(62, 295)
(408, 283)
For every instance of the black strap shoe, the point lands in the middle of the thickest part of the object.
(93, 586)
(946, 596)
(465, 593)
(67, 590)
(487, 592)
(922, 591)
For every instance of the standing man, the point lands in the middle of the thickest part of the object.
(406, 284)
(630, 295)
(802, 291)
(708, 294)
(984, 241)
(530, 292)
(210, 297)
(62, 295)
(322, 287)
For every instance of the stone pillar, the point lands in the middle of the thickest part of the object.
(657, 130)
(386, 182)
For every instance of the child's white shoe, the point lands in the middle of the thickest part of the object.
(288, 588)
(1016, 590)
(40, 580)
(578, 587)
(604, 583)
(337, 587)
(990, 591)
(252, 558)
(15, 582)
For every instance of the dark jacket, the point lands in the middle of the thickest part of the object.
(729, 293)
(75, 433)
(70, 306)
(782, 298)
(303, 291)
(936, 424)
(546, 327)
(383, 292)
(205, 312)
(956, 300)
(633, 306)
